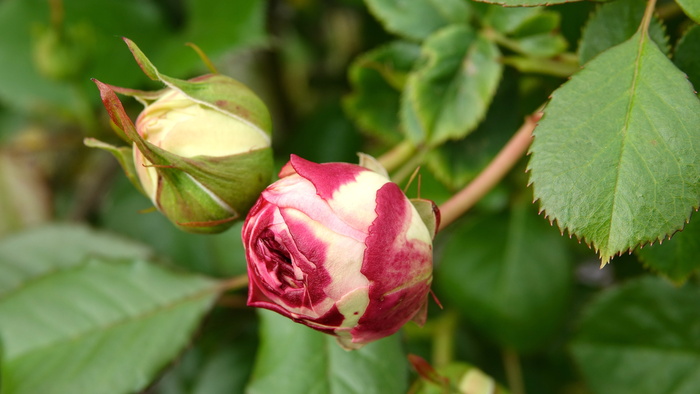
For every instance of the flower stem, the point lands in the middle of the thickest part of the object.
(461, 202)
(514, 372)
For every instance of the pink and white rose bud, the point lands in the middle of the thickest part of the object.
(339, 248)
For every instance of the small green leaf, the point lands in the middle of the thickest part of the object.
(377, 78)
(429, 214)
(508, 20)
(417, 19)
(101, 327)
(510, 275)
(530, 31)
(641, 338)
(34, 253)
(691, 8)
(540, 45)
(294, 359)
(449, 93)
(614, 23)
(675, 258)
(615, 157)
(686, 55)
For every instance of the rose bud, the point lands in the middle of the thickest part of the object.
(200, 149)
(338, 247)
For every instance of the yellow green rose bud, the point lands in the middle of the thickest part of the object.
(200, 148)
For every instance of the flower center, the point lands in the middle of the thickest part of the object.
(278, 261)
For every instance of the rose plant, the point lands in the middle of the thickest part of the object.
(201, 148)
(338, 247)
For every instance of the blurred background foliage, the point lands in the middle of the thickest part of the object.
(513, 289)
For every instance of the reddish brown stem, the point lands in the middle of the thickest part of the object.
(516, 147)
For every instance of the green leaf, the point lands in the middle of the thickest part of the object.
(675, 258)
(457, 163)
(540, 45)
(450, 91)
(691, 8)
(417, 19)
(614, 23)
(293, 358)
(377, 78)
(510, 275)
(641, 338)
(101, 327)
(530, 31)
(615, 157)
(34, 253)
(508, 20)
(686, 55)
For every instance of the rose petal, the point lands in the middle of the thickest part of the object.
(398, 264)
(326, 177)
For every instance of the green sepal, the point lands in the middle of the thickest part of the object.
(124, 155)
(189, 206)
(372, 164)
(121, 120)
(429, 214)
(215, 91)
(237, 179)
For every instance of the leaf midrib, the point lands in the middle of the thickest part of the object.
(605, 253)
(121, 321)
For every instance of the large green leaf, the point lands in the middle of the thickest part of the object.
(34, 253)
(686, 55)
(450, 91)
(510, 275)
(293, 358)
(377, 78)
(641, 338)
(612, 24)
(615, 159)
(101, 327)
(691, 8)
(676, 258)
(417, 19)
